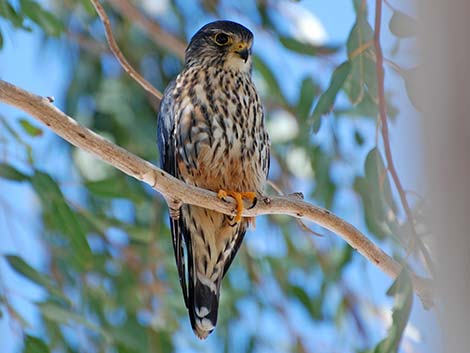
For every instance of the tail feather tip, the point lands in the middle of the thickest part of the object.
(203, 327)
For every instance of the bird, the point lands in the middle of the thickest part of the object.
(211, 134)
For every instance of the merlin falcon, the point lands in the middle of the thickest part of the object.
(211, 134)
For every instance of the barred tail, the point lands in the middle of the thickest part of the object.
(203, 310)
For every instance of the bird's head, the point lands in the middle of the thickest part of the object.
(221, 43)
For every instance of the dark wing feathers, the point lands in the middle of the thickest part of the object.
(236, 246)
(165, 125)
(167, 149)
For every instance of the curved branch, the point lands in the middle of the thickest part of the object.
(120, 56)
(176, 190)
(160, 37)
(385, 135)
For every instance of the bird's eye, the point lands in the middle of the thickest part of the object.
(222, 39)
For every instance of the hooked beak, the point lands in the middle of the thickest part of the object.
(243, 50)
(244, 53)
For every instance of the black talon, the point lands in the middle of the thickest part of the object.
(255, 201)
(230, 219)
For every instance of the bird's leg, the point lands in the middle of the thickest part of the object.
(238, 196)
(174, 207)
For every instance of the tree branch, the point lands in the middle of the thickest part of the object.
(386, 139)
(160, 37)
(120, 56)
(176, 190)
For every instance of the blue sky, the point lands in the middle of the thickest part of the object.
(26, 64)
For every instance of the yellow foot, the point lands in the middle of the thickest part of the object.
(238, 196)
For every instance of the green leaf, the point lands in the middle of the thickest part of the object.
(65, 316)
(374, 217)
(358, 138)
(18, 138)
(1, 40)
(116, 186)
(324, 187)
(402, 25)
(88, 6)
(377, 175)
(360, 54)
(340, 258)
(7, 11)
(18, 317)
(11, 173)
(268, 76)
(327, 99)
(312, 305)
(30, 129)
(370, 79)
(34, 345)
(24, 269)
(402, 291)
(140, 234)
(308, 92)
(306, 48)
(375, 190)
(360, 7)
(411, 79)
(44, 19)
(64, 219)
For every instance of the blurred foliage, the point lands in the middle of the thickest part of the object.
(110, 273)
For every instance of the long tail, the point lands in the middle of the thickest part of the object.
(204, 307)
(211, 243)
(201, 295)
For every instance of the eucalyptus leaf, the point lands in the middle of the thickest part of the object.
(411, 77)
(116, 186)
(324, 187)
(402, 292)
(379, 206)
(30, 129)
(34, 345)
(327, 99)
(8, 11)
(306, 48)
(43, 18)
(64, 218)
(62, 315)
(312, 305)
(268, 76)
(402, 25)
(359, 46)
(11, 173)
(43, 280)
(308, 91)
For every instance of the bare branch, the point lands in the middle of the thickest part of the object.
(160, 37)
(300, 196)
(176, 190)
(120, 56)
(385, 135)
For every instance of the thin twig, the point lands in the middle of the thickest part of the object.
(87, 43)
(397, 68)
(386, 139)
(120, 56)
(299, 221)
(169, 42)
(175, 190)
